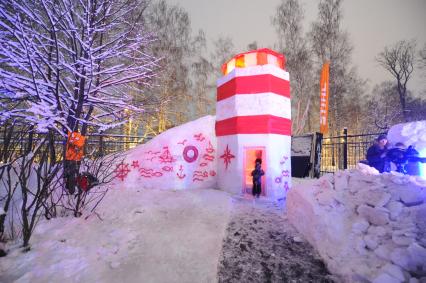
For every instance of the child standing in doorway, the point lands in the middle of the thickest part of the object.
(257, 174)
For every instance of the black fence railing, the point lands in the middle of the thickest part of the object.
(96, 144)
(344, 151)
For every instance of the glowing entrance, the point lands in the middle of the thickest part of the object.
(250, 156)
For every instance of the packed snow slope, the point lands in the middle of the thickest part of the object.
(137, 236)
(368, 227)
(183, 157)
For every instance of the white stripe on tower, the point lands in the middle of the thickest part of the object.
(253, 104)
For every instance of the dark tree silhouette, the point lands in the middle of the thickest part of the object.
(399, 60)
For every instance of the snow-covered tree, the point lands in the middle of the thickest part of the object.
(223, 50)
(67, 65)
(203, 85)
(293, 44)
(382, 107)
(176, 46)
(330, 43)
(422, 58)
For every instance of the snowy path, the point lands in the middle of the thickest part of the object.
(261, 246)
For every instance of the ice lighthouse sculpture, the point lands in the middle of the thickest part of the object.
(253, 120)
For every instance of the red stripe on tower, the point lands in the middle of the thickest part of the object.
(259, 124)
(253, 84)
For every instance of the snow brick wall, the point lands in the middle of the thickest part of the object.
(368, 227)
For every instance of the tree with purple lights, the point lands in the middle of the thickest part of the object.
(66, 65)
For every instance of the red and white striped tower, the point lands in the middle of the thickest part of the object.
(253, 120)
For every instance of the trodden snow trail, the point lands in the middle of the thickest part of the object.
(262, 246)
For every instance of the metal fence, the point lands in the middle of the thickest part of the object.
(337, 152)
(96, 144)
(344, 151)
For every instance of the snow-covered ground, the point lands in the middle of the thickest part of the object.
(139, 236)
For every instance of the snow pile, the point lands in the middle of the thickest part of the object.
(366, 226)
(413, 133)
(183, 157)
(136, 235)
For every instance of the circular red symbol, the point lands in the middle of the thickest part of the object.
(190, 157)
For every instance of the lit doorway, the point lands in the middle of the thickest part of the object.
(250, 156)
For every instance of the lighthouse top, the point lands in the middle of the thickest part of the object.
(252, 58)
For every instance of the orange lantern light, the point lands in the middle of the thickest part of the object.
(262, 56)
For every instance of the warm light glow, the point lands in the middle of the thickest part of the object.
(230, 66)
(263, 56)
(251, 154)
(239, 62)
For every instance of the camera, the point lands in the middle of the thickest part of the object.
(401, 156)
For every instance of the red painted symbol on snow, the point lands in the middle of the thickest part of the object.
(210, 148)
(135, 164)
(166, 157)
(283, 160)
(182, 142)
(286, 186)
(278, 180)
(144, 172)
(150, 159)
(204, 164)
(212, 173)
(227, 156)
(157, 174)
(122, 170)
(199, 137)
(208, 157)
(194, 156)
(167, 168)
(285, 173)
(151, 152)
(180, 173)
(199, 176)
(148, 173)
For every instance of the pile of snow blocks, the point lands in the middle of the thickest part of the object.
(368, 227)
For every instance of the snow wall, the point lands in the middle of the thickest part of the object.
(183, 157)
(367, 226)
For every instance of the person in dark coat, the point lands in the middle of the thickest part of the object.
(257, 174)
(376, 154)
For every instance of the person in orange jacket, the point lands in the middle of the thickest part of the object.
(73, 155)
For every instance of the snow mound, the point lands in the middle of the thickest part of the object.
(183, 157)
(413, 133)
(366, 226)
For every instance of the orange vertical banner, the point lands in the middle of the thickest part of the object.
(324, 98)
